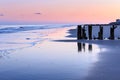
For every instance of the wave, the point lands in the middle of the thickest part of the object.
(19, 28)
(22, 36)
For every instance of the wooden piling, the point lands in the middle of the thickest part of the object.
(112, 34)
(101, 33)
(90, 32)
(79, 32)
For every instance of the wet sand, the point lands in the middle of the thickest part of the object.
(107, 67)
(48, 60)
(61, 57)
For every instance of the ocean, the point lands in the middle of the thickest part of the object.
(52, 52)
(20, 36)
(29, 52)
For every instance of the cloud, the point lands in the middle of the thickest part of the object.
(37, 13)
(1, 14)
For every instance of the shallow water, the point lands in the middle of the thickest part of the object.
(47, 60)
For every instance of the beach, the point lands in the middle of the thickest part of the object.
(107, 65)
(35, 55)
(59, 39)
(56, 54)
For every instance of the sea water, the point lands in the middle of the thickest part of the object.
(27, 54)
(19, 36)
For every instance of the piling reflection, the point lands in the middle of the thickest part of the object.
(90, 47)
(85, 47)
(79, 47)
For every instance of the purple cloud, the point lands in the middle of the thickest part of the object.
(38, 13)
(1, 14)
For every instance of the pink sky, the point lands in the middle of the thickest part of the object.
(59, 11)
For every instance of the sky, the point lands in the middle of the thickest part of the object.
(58, 11)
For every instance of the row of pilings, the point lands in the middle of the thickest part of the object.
(81, 32)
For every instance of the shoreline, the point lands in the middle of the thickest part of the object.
(107, 67)
(61, 57)
(47, 60)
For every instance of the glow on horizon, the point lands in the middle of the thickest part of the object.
(59, 11)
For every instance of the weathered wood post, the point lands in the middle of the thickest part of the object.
(90, 32)
(112, 30)
(79, 32)
(112, 33)
(101, 33)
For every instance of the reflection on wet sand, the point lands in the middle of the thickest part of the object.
(5, 52)
(90, 47)
(83, 47)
